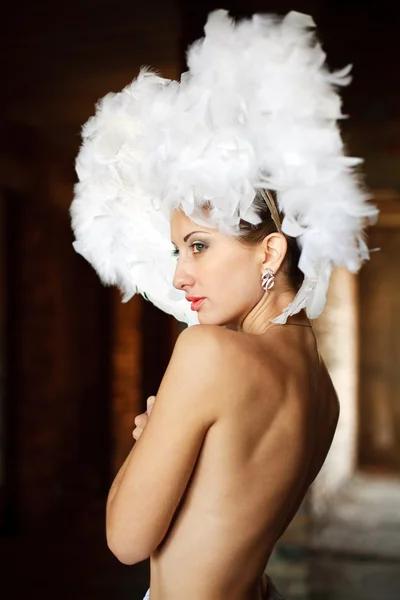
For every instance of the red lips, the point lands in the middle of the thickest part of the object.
(194, 298)
(197, 303)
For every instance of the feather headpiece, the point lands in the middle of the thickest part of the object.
(256, 110)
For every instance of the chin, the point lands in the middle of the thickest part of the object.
(209, 318)
(204, 320)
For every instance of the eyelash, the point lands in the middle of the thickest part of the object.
(175, 252)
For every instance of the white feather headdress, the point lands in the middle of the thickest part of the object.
(257, 109)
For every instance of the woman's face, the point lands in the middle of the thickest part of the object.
(216, 267)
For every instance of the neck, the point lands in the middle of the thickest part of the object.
(270, 306)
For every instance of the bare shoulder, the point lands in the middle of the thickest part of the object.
(201, 347)
(199, 332)
(222, 354)
(214, 341)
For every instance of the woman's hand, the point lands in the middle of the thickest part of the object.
(141, 420)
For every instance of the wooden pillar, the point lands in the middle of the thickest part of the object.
(379, 397)
(58, 350)
(4, 484)
(126, 364)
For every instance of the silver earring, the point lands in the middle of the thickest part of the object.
(268, 280)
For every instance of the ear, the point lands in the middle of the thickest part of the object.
(273, 251)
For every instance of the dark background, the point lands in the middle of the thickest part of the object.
(77, 365)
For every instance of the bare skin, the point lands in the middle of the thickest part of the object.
(240, 427)
(255, 466)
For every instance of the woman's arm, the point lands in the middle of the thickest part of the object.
(151, 482)
(140, 422)
(117, 480)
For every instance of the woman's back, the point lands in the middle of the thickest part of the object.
(277, 415)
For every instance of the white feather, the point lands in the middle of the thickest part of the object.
(258, 107)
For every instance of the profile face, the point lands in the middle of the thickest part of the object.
(216, 267)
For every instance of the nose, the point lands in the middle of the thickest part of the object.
(182, 278)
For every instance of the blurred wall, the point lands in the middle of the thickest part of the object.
(79, 363)
(2, 344)
(337, 333)
(74, 352)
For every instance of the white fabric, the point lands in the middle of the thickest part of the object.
(273, 593)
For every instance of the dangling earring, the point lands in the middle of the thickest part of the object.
(268, 280)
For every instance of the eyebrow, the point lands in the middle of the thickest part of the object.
(185, 239)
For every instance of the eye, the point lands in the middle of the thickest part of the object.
(198, 245)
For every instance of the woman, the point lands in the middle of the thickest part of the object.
(246, 411)
(241, 426)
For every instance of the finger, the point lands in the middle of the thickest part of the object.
(150, 404)
(136, 433)
(141, 420)
(150, 401)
